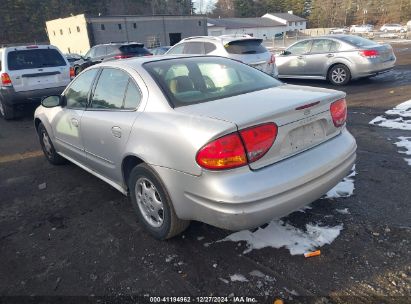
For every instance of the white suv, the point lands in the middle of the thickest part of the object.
(29, 73)
(243, 48)
(393, 28)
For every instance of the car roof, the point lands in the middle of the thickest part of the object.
(223, 38)
(137, 62)
(29, 47)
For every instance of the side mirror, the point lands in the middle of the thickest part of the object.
(286, 53)
(52, 101)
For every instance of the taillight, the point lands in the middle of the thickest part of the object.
(272, 59)
(223, 153)
(338, 111)
(369, 53)
(122, 56)
(72, 73)
(258, 140)
(5, 80)
(237, 149)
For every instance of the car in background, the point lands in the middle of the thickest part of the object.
(161, 50)
(110, 51)
(336, 58)
(29, 73)
(72, 58)
(398, 28)
(340, 30)
(364, 28)
(183, 135)
(243, 48)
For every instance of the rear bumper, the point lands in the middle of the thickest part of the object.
(372, 69)
(240, 198)
(11, 97)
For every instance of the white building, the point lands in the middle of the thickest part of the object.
(266, 27)
(292, 22)
(262, 28)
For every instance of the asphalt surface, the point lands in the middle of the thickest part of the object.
(79, 236)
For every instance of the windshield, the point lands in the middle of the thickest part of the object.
(34, 59)
(358, 41)
(187, 81)
(134, 49)
(248, 46)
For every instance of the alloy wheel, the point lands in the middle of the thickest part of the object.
(338, 75)
(149, 202)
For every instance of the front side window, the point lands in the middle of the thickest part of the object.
(300, 48)
(78, 91)
(189, 81)
(178, 49)
(110, 89)
(101, 51)
(34, 59)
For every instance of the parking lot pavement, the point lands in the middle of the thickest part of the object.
(65, 232)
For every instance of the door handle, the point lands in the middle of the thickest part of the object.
(74, 122)
(330, 55)
(116, 131)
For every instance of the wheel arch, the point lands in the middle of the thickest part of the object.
(127, 165)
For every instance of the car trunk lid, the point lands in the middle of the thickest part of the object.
(302, 115)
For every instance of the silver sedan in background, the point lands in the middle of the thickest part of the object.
(336, 58)
(199, 138)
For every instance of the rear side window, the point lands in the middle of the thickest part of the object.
(110, 90)
(194, 48)
(358, 41)
(134, 49)
(133, 96)
(209, 47)
(249, 46)
(77, 93)
(34, 59)
(112, 49)
(321, 46)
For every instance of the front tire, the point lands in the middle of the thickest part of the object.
(339, 75)
(47, 146)
(153, 204)
(6, 111)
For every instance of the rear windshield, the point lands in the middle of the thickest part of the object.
(187, 81)
(134, 49)
(358, 41)
(249, 46)
(33, 59)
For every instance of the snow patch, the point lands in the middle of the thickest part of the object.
(345, 188)
(238, 278)
(395, 118)
(277, 234)
(343, 211)
(405, 143)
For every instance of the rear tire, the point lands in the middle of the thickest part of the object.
(6, 111)
(153, 204)
(47, 146)
(339, 75)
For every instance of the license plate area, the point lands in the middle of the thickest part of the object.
(40, 80)
(306, 136)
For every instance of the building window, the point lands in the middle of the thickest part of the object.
(135, 25)
(289, 23)
(102, 26)
(78, 29)
(69, 30)
(61, 32)
(69, 50)
(54, 33)
(199, 23)
(119, 26)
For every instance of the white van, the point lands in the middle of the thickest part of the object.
(29, 73)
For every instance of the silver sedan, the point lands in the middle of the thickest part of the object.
(336, 58)
(199, 138)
